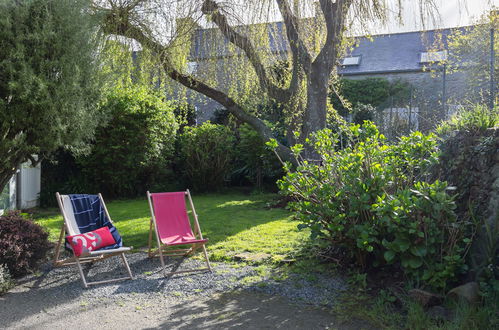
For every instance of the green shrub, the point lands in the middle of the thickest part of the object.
(133, 150)
(368, 200)
(6, 282)
(475, 120)
(206, 155)
(373, 91)
(254, 160)
(362, 112)
(23, 243)
(421, 233)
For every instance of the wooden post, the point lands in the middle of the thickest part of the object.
(153, 217)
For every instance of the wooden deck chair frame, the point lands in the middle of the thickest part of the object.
(94, 255)
(162, 249)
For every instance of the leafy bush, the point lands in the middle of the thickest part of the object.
(5, 280)
(23, 243)
(421, 233)
(254, 160)
(133, 150)
(475, 120)
(206, 155)
(369, 200)
(373, 91)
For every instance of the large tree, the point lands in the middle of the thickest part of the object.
(48, 79)
(314, 44)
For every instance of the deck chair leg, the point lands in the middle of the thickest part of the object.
(206, 257)
(149, 244)
(127, 266)
(58, 246)
(81, 273)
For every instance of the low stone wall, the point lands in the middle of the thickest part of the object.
(470, 162)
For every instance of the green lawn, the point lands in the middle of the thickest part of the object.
(233, 223)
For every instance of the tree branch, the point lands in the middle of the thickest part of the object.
(119, 25)
(296, 44)
(210, 8)
(334, 15)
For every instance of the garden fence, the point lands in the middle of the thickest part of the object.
(442, 91)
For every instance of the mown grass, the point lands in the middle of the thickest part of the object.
(233, 223)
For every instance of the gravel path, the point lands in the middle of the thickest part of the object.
(53, 297)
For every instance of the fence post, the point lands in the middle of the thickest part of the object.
(492, 67)
(410, 110)
(390, 127)
(444, 90)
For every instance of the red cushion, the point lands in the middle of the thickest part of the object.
(93, 240)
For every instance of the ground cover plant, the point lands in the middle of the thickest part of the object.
(5, 279)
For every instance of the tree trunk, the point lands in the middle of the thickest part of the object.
(316, 107)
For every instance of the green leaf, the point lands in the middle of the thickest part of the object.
(389, 255)
(419, 251)
(415, 262)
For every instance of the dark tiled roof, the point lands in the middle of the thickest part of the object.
(392, 52)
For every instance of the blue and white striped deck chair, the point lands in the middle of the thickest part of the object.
(73, 227)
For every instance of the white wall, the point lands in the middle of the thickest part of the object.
(28, 186)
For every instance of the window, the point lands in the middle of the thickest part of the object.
(433, 56)
(192, 67)
(351, 60)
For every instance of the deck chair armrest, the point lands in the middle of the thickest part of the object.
(118, 250)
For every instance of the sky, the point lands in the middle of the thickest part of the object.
(452, 13)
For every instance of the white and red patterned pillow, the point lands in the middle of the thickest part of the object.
(82, 244)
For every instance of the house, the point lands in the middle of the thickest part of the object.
(22, 190)
(407, 56)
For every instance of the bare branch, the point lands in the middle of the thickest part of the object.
(211, 9)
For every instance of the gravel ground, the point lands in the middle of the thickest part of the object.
(54, 292)
(315, 289)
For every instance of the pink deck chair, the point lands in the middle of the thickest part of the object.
(173, 227)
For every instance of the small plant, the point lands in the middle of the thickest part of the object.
(6, 282)
(23, 243)
(475, 120)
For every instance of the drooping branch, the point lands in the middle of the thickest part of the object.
(211, 9)
(119, 24)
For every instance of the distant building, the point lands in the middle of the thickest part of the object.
(398, 56)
